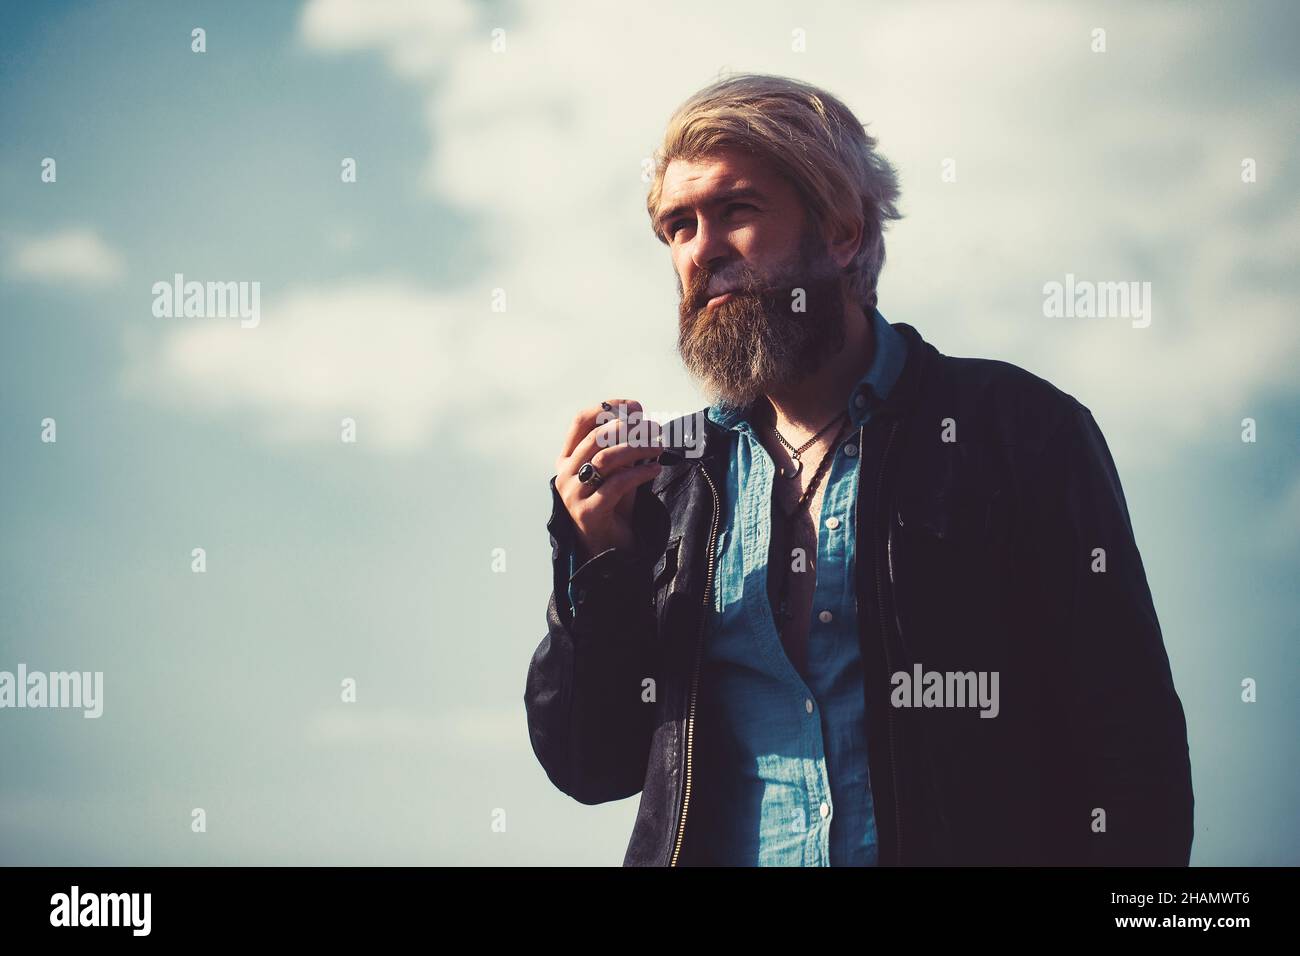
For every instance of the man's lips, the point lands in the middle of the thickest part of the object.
(717, 300)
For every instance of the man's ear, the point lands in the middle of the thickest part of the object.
(843, 244)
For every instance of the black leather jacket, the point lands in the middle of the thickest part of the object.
(987, 559)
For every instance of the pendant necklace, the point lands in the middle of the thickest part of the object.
(797, 467)
(783, 613)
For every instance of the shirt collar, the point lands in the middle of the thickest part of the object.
(887, 360)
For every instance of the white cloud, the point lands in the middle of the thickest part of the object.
(413, 33)
(1114, 166)
(400, 360)
(1065, 164)
(74, 255)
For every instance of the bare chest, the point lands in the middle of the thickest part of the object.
(792, 557)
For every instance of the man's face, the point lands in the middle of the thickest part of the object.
(734, 227)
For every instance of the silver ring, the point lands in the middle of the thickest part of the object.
(588, 475)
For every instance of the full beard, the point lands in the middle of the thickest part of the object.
(756, 342)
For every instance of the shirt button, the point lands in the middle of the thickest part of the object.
(851, 450)
(832, 522)
(825, 810)
(825, 617)
(808, 705)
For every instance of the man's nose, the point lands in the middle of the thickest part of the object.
(710, 247)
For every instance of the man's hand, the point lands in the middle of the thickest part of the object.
(613, 444)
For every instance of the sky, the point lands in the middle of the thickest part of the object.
(491, 271)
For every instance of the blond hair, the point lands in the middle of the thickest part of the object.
(811, 138)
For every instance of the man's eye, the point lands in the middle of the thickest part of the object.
(678, 223)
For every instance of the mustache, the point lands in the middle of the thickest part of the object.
(740, 279)
(758, 294)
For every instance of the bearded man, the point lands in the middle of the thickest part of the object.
(887, 608)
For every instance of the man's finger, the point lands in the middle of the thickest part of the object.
(614, 434)
(622, 482)
(587, 419)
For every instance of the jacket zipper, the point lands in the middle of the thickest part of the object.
(884, 638)
(695, 674)
(699, 649)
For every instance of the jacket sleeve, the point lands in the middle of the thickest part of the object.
(587, 720)
(1126, 723)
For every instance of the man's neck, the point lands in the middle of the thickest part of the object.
(801, 411)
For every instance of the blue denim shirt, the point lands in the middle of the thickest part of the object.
(787, 782)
